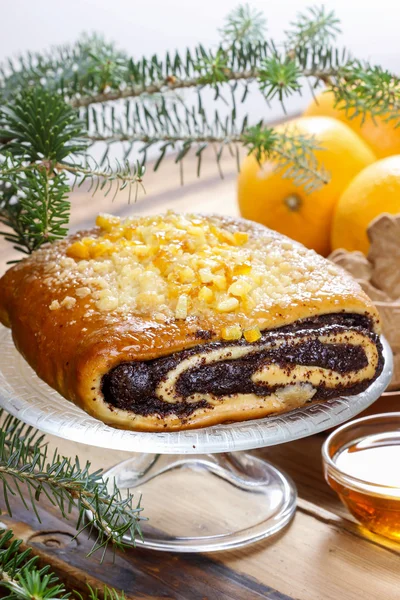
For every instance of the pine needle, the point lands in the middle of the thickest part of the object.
(28, 471)
(22, 579)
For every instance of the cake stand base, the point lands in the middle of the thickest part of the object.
(206, 503)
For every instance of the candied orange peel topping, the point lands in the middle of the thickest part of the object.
(183, 266)
(175, 263)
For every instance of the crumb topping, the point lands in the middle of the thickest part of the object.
(68, 302)
(175, 266)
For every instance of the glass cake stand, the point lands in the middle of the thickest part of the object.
(200, 490)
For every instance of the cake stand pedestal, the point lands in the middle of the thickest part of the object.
(201, 490)
(207, 502)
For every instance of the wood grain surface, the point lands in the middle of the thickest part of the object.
(322, 555)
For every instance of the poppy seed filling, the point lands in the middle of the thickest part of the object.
(132, 385)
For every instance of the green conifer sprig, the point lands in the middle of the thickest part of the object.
(28, 471)
(373, 91)
(93, 71)
(22, 579)
(43, 140)
(173, 126)
(106, 177)
(20, 576)
(38, 211)
(40, 125)
(244, 24)
(279, 77)
(287, 150)
(315, 27)
(90, 64)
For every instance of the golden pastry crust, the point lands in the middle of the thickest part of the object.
(78, 310)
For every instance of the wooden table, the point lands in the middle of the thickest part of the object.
(322, 555)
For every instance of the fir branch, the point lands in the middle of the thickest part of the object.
(241, 63)
(93, 71)
(105, 177)
(361, 89)
(213, 69)
(28, 471)
(321, 64)
(195, 69)
(244, 24)
(20, 575)
(293, 154)
(91, 63)
(175, 127)
(38, 210)
(34, 584)
(34, 198)
(43, 141)
(11, 167)
(105, 593)
(256, 63)
(14, 428)
(77, 72)
(316, 27)
(88, 74)
(38, 125)
(22, 579)
(279, 77)
(169, 83)
(37, 128)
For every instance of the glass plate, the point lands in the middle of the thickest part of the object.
(27, 397)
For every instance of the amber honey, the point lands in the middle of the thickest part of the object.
(362, 464)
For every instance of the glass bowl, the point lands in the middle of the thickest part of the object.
(361, 463)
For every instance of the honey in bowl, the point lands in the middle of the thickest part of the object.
(362, 464)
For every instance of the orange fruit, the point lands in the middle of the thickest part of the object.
(266, 197)
(375, 190)
(382, 137)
